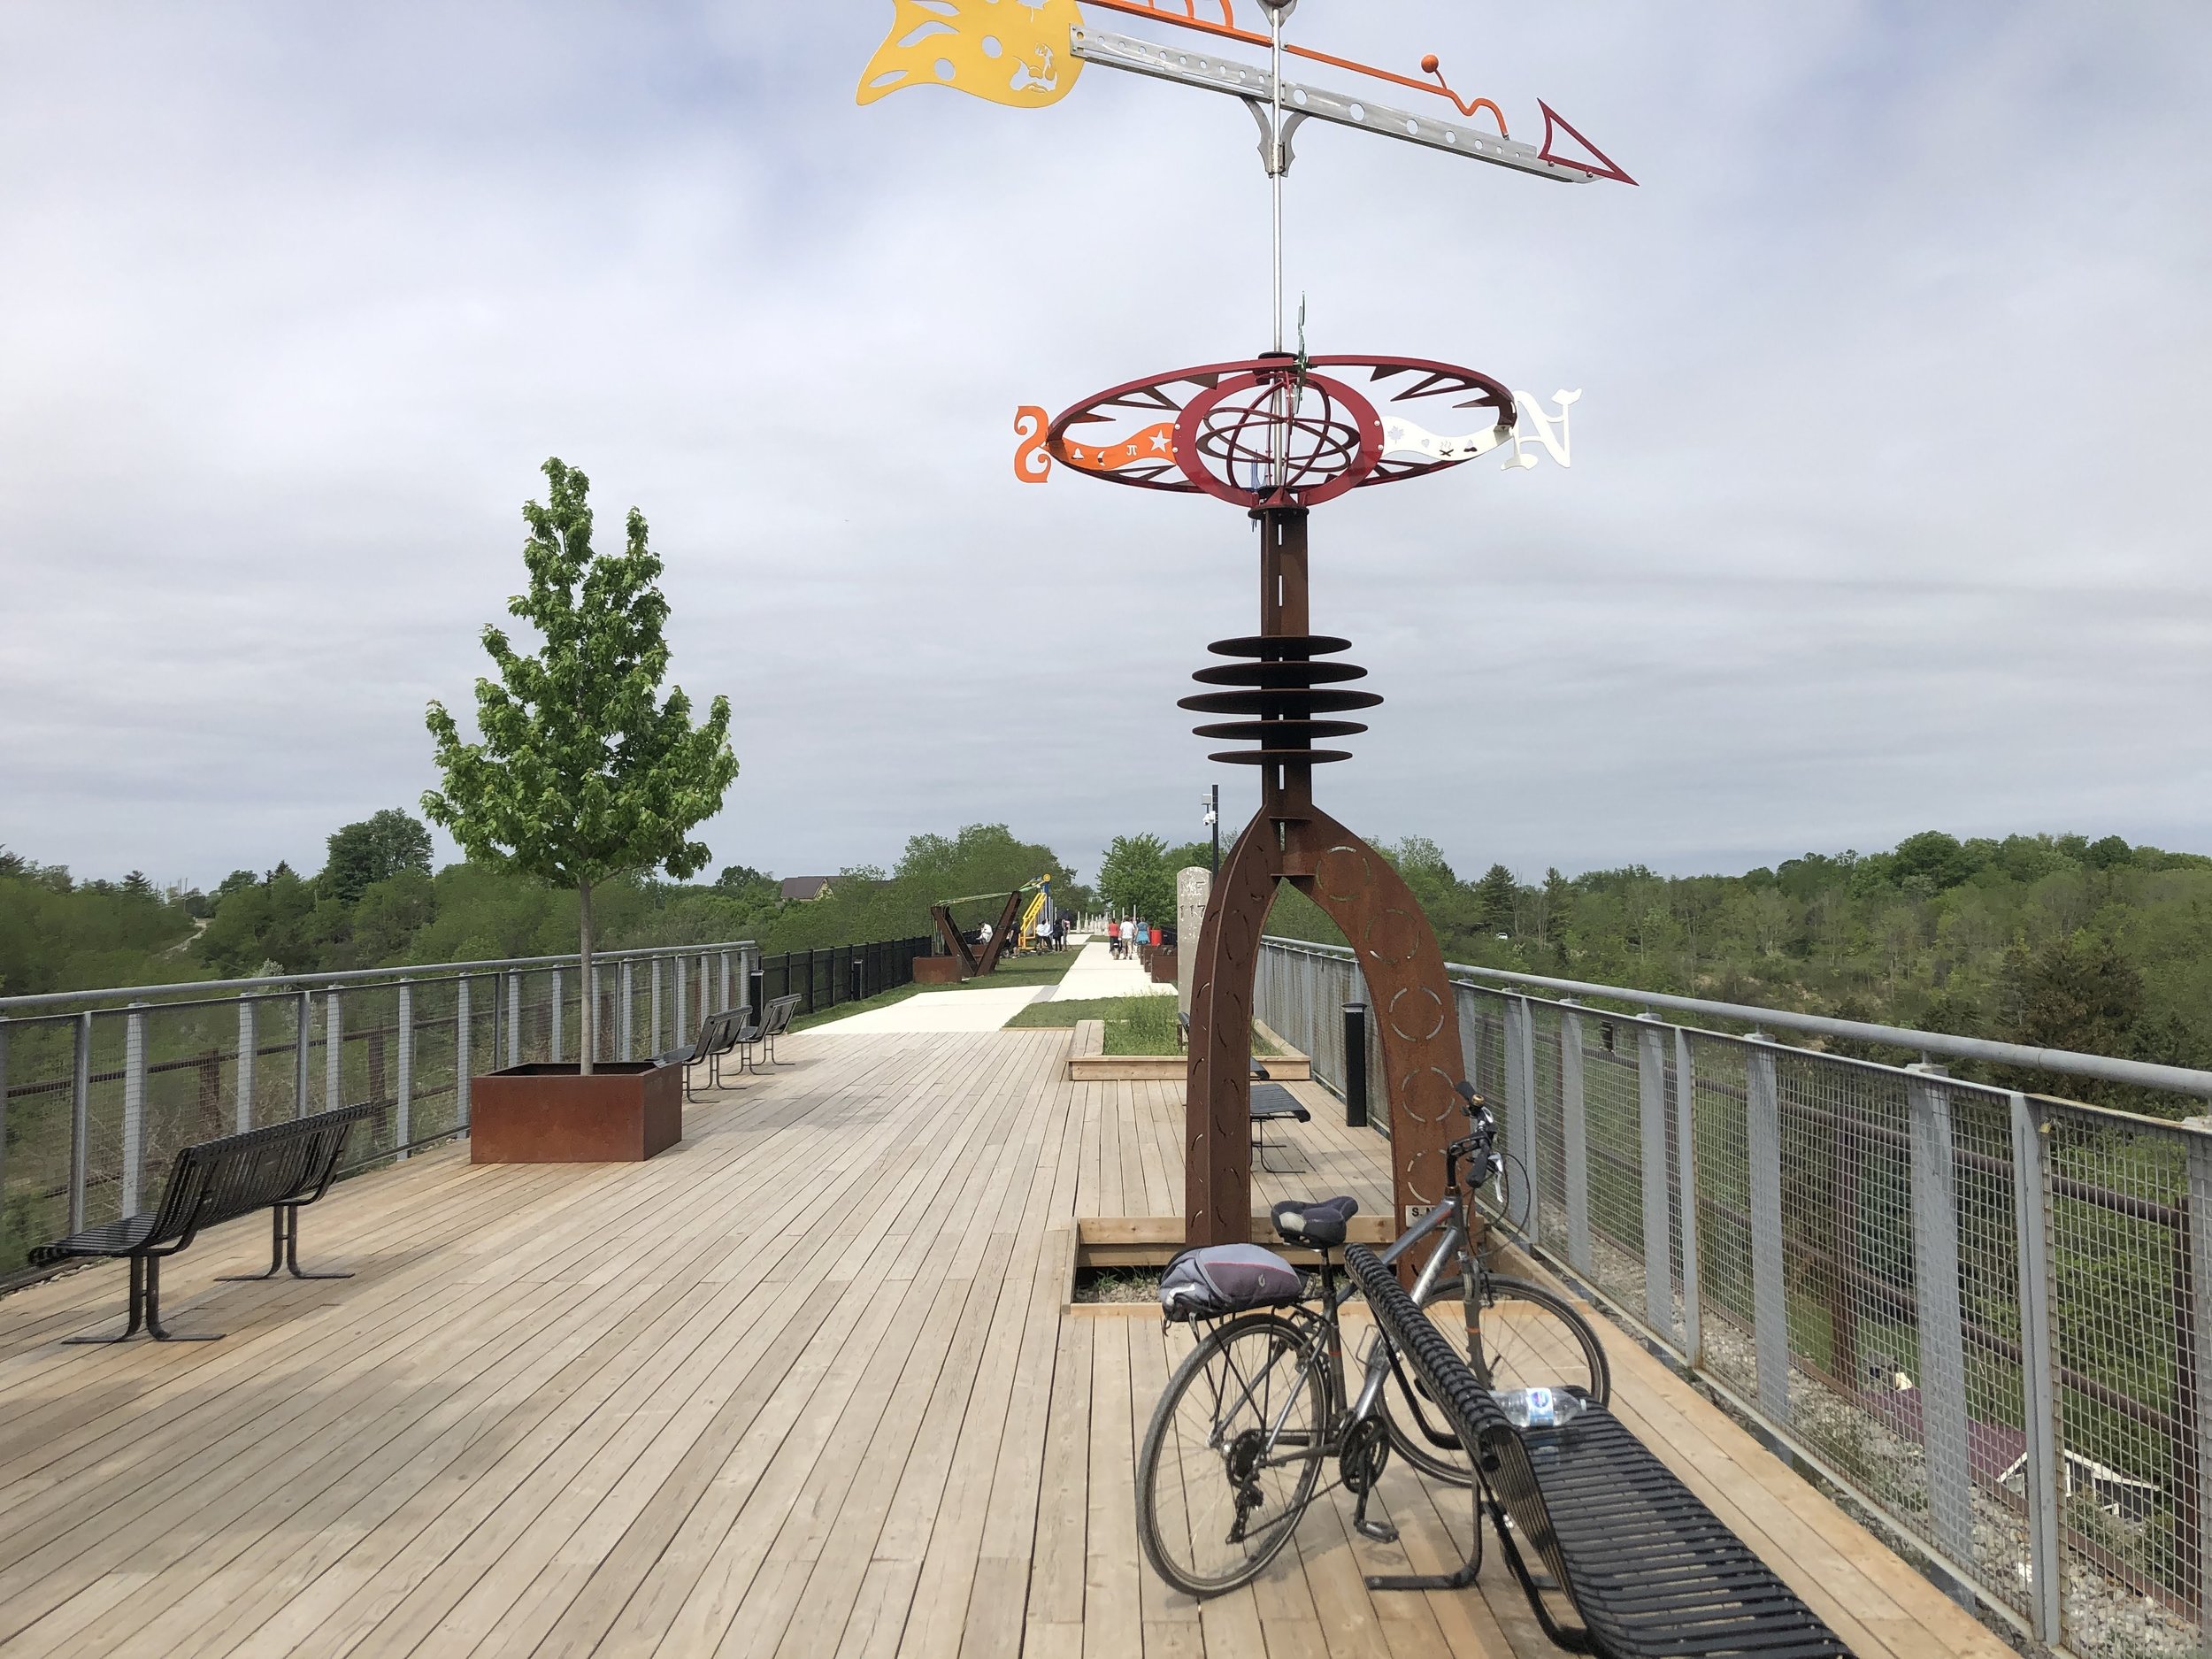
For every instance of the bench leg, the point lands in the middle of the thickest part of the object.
(276, 1251)
(1459, 1578)
(292, 1247)
(153, 1310)
(138, 1308)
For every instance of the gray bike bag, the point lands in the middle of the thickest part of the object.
(1218, 1279)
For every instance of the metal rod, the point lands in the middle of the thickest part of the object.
(1770, 1293)
(1574, 1124)
(1275, 174)
(1935, 1232)
(1651, 1104)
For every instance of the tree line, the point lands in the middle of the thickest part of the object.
(2054, 940)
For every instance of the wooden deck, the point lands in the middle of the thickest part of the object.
(806, 1385)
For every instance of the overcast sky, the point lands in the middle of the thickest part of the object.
(1887, 512)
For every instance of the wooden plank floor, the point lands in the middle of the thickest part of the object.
(806, 1385)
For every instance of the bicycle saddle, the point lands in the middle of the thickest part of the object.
(1317, 1221)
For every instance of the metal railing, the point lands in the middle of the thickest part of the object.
(841, 973)
(100, 1089)
(1979, 1313)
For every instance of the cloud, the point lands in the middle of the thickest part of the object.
(1883, 513)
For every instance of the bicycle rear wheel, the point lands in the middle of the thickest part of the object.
(1525, 1336)
(1232, 1456)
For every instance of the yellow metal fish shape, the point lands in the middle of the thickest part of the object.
(1005, 50)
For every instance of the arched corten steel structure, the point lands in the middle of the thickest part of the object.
(1292, 840)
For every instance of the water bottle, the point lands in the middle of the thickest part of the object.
(1539, 1408)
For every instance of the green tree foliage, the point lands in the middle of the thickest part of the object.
(57, 934)
(373, 850)
(1137, 877)
(585, 774)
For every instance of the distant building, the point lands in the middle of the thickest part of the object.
(804, 889)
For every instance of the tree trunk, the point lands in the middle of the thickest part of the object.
(587, 1004)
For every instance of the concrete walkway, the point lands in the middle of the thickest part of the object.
(937, 1010)
(1096, 973)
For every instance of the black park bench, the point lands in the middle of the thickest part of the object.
(1635, 1554)
(278, 1168)
(1271, 1102)
(734, 1029)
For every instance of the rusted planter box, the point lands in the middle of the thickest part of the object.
(936, 970)
(623, 1112)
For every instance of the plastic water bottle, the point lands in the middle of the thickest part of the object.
(1539, 1408)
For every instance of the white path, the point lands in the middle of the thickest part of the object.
(936, 1011)
(1096, 973)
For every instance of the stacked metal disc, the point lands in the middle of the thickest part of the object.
(1284, 693)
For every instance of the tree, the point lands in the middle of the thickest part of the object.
(373, 850)
(1135, 878)
(1493, 900)
(584, 772)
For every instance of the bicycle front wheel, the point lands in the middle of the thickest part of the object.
(1233, 1454)
(1523, 1335)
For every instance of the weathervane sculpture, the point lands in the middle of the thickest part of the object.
(1276, 434)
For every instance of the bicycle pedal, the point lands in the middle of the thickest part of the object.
(1381, 1531)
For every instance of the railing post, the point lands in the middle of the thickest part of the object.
(461, 1051)
(2032, 1218)
(1686, 1171)
(333, 1048)
(1574, 1122)
(1651, 1114)
(248, 1044)
(4, 1108)
(134, 1105)
(653, 1018)
(627, 979)
(1935, 1233)
(2200, 1224)
(303, 1037)
(560, 1036)
(403, 1112)
(1356, 1065)
(514, 1019)
(79, 1120)
(726, 981)
(1770, 1293)
(1520, 1098)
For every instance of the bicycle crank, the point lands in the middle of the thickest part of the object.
(1360, 1465)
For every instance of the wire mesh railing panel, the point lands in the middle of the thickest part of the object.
(1983, 1313)
(1721, 1163)
(1613, 1111)
(2129, 1396)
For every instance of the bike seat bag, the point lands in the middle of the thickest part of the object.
(1320, 1222)
(1219, 1279)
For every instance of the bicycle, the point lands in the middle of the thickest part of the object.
(1235, 1452)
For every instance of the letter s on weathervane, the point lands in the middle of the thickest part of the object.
(1032, 463)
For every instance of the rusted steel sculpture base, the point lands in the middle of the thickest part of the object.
(1291, 840)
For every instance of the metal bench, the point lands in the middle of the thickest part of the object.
(1271, 1102)
(279, 1167)
(775, 1021)
(733, 1030)
(1630, 1549)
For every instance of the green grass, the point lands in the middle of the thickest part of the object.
(1135, 1024)
(1048, 969)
